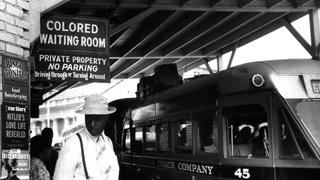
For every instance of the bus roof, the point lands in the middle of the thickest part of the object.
(239, 78)
(293, 66)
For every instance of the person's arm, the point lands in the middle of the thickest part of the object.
(43, 172)
(67, 161)
(114, 172)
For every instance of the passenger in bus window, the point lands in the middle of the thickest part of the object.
(150, 143)
(211, 147)
(208, 135)
(89, 154)
(164, 138)
(243, 142)
(260, 141)
(184, 137)
(288, 147)
(127, 140)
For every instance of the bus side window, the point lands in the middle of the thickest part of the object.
(207, 132)
(127, 141)
(150, 134)
(247, 131)
(164, 137)
(138, 139)
(291, 139)
(183, 137)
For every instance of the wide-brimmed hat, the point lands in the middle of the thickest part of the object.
(96, 104)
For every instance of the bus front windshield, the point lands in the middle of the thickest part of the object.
(309, 113)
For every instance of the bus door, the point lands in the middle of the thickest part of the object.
(246, 136)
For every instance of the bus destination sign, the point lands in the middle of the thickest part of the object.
(315, 84)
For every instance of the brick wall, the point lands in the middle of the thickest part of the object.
(14, 27)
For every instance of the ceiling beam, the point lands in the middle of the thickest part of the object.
(260, 33)
(236, 36)
(224, 30)
(298, 3)
(131, 21)
(114, 39)
(208, 23)
(244, 3)
(176, 27)
(151, 2)
(297, 35)
(146, 30)
(200, 6)
(119, 2)
(271, 3)
(243, 31)
(253, 36)
(124, 65)
(182, 2)
(203, 27)
(173, 56)
(67, 86)
(213, 3)
(190, 67)
(207, 39)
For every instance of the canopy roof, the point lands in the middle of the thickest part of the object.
(146, 33)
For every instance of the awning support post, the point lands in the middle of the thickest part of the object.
(233, 54)
(297, 35)
(206, 62)
(220, 62)
(315, 32)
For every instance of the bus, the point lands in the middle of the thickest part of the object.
(259, 120)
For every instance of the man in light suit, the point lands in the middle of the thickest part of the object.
(98, 160)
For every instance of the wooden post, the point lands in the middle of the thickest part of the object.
(220, 62)
(232, 55)
(206, 62)
(315, 32)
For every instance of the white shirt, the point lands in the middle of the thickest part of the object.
(101, 162)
